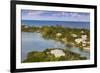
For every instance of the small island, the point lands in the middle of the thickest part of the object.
(55, 54)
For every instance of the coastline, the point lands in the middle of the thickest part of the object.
(68, 36)
(72, 38)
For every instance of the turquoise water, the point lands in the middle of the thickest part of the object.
(35, 42)
(69, 24)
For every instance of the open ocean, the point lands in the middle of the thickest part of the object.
(70, 24)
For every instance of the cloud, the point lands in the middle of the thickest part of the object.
(30, 12)
(75, 14)
(51, 13)
(54, 15)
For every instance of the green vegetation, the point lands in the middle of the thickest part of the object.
(71, 37)
(47, 56)
(29, 28)
(62, 34)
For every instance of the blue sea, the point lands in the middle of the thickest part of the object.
(70, 24)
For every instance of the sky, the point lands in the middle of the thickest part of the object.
(54, 15)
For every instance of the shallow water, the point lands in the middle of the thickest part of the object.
(35, 42)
